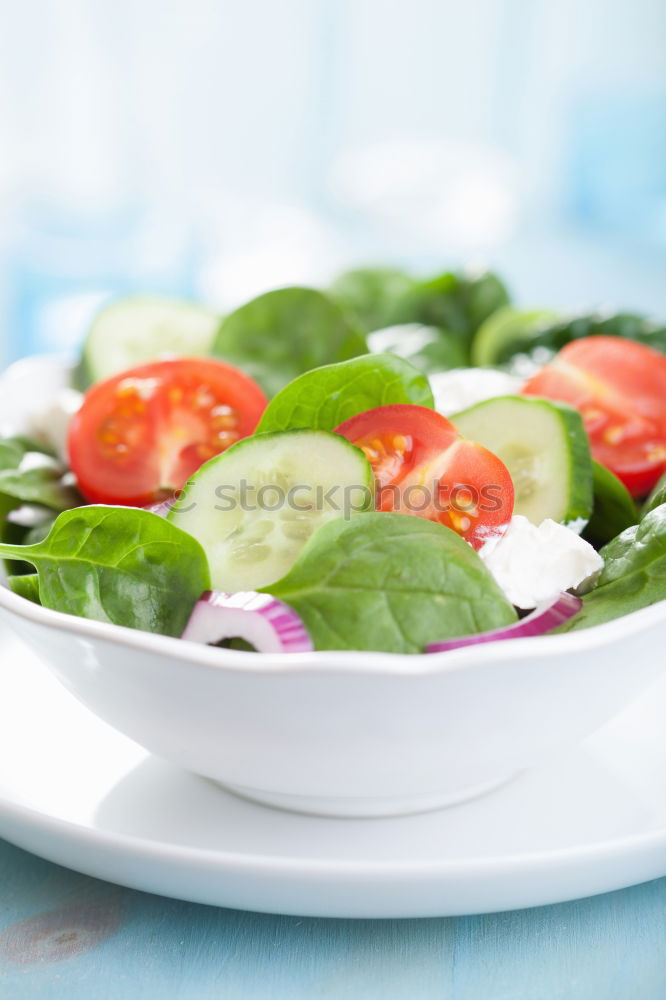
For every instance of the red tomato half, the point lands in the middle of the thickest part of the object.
(141, 434)
(424, 467)
(619, 387)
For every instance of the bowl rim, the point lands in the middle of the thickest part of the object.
(211, 658)
(359, 662)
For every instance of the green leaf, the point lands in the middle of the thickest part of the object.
(28, 443)
(281, 334)
(633, 577)
(613, 508)
(11, 453)
(30, 474)
(458, 303)
(120, 565)
(10, 532)
(25, 586)
(391, 583)
(371, 294)
(322, 399)
(23, 526)
(426, 347)
(42, 486)
(482, 295)
(82, 378)
(656, 497)
(38, 532)
(636, 548)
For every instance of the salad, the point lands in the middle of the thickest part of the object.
(391, 464)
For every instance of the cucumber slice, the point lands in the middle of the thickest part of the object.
(131, 331)
(254, 506)
(546, 450)
(508, 331)
(613, 508)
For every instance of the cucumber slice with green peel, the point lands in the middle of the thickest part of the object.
(546, 450)
(508, 331)
(132, 331)
(613, 507)
(253, 507)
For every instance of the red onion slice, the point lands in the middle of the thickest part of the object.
(161, 509)
(267, 624)
(544, 618)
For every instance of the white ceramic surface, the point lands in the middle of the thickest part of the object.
(341, 733)
(77, 792)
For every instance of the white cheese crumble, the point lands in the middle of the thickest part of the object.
(533, 564)
(578, 525)
(460, 388)
(51, 424)
(412, 337)
(36, 460)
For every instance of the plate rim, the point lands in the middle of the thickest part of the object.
(124, 843)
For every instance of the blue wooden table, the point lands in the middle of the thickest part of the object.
(64, 936)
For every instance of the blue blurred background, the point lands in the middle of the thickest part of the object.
(215, 148)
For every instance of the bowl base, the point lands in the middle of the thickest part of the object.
(369, 807)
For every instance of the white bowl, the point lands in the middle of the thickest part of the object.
(347, 734)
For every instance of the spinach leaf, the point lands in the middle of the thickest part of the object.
(322, 399)
(554, 336)
(286, 332)
(10, 532)
(38, 532)
(426, 347)
(21, 526)
(43, 485)
(613, 508)
(633, 577)
(11, 453)
(25, 586)
(371, 294)
(236, 642)
(636, 548)
(656, 497)
(391, 583)
(458, 303)
(81, 378)
(30, 474)
(27, 443)
(120, 565)
(31, 479)
(20, 530)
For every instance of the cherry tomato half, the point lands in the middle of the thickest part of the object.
(141, 434)
(424, 467)
(619, 387)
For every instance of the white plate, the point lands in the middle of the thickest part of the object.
(75, 791)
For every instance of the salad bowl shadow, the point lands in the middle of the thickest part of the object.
(337, 733)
